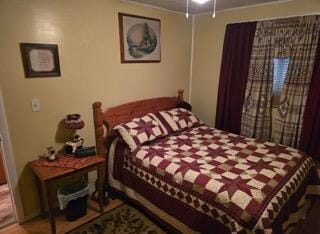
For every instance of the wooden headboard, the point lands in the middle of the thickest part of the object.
(125, 112)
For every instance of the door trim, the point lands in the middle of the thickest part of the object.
(9, 164)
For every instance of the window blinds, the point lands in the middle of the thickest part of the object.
(280, 69)
(279, 74)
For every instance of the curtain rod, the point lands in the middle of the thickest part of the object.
(280, 17)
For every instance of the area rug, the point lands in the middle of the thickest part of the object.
(123, 219)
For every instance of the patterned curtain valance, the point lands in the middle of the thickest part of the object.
(286, 33)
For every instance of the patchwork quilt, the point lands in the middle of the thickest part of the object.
(212, 179)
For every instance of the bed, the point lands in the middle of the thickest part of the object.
(195, 179)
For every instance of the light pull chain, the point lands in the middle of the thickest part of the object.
(187, 13)
(214, 8)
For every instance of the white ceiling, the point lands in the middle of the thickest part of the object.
(195, 8)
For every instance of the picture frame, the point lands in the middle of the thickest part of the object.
(40, 60)
(140, 40)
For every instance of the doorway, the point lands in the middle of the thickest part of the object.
(9, 167)
(7, 213)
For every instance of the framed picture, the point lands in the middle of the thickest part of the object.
(40, 60)
(139, 39)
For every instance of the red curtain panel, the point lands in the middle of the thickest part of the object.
(233, 75)
(310, 134)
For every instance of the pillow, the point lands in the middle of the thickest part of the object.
(178, 119)
(141, 130)
(184, 105)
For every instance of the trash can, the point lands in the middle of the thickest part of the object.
(73, 199)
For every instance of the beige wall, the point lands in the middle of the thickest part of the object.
(88, 38)
(209, 35)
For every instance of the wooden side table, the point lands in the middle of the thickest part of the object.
(46, 175)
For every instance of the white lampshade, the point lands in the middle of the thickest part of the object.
(200, 1)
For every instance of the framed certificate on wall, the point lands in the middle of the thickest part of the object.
(40, 60)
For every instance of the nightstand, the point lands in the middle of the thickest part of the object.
(47, 175)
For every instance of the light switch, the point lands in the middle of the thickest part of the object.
(35, 104)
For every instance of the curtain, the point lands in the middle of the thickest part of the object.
(256, 111)
(310, 140)
(233, 75)
(296, 39)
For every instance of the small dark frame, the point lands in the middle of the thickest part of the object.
(29, 72)
(121, 32)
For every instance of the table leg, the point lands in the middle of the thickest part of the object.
(49, 202)
(86, 178)
(41, 195)
(101, 178)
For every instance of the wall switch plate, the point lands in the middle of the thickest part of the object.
(35, 104)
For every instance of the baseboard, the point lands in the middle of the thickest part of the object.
(31, 216)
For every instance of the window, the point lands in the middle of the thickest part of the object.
(280, 66)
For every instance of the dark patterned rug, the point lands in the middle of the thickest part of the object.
(123, 219)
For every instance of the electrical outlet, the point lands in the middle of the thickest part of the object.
(35, 104)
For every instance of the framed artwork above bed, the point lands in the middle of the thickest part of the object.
(139, 39)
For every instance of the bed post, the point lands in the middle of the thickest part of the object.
(180, 95)
(98, 128)
(99, 135)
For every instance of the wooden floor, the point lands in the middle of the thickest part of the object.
(42, 226)
(311, 224)
(7, 216)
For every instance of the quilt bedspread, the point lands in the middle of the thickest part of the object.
(241, 182)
